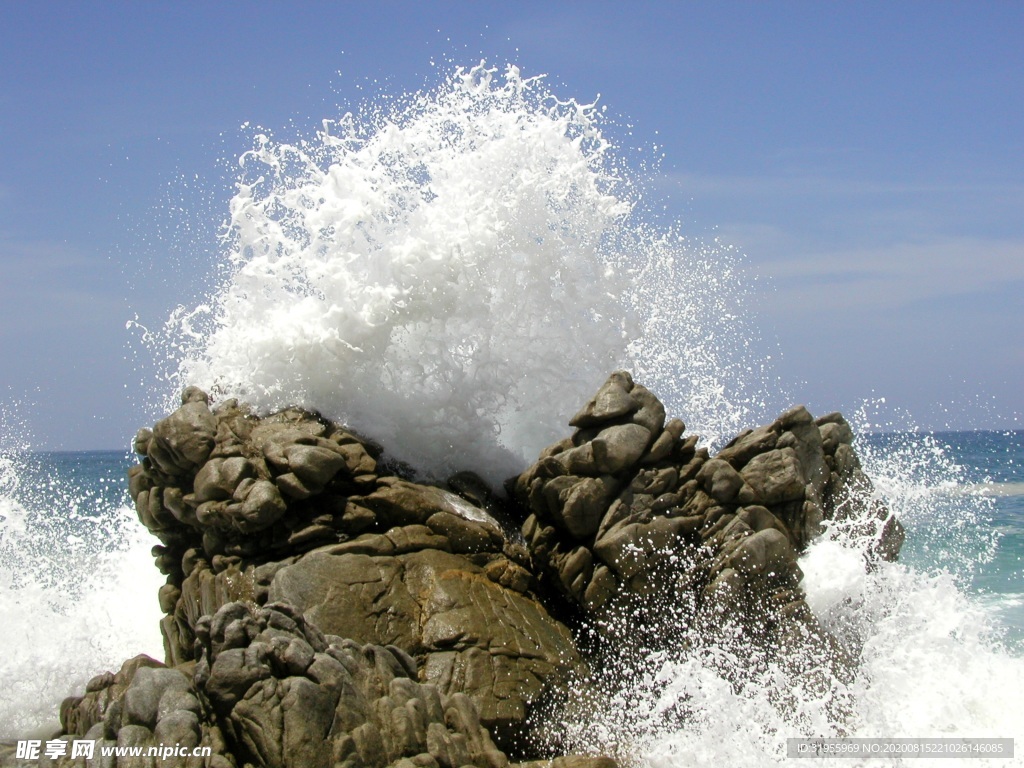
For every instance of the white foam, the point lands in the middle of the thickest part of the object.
(928, 667)
(456, 276)
(997, 489)
(78, 596)
(930, 661)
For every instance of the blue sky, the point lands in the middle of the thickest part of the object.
(867, 158)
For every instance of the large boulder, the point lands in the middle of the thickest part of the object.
(628, 510)
(269, 689)
(469, 632)
(294, 508)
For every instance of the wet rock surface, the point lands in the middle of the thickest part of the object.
(293, 508)
(662, 514)
(270, 689)
(324, 608)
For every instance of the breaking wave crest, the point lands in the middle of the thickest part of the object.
(453, 275)
(77, 588)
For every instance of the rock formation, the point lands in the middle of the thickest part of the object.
(627, 502)
(271, 689)
(294, 509)
(323, 609)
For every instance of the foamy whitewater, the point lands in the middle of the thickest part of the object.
(77, 584)
(453, 274)
(932, 656)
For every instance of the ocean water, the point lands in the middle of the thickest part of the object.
(453, 272)
(77, 581)
(942, 631)
(972, 525)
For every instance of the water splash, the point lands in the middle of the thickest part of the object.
(947, 514)
(454, 273)
(77, 588)
(931, 660)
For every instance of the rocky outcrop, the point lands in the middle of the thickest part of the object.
(270, 689)
(322, 608)
(291, 508)
(144, 704)
(627, 508)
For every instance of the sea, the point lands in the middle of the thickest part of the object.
(453, 272)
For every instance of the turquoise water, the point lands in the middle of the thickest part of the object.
(996, 462)
(976, 529)
(971, 524)
(78, 592)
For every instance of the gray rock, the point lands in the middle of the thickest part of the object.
(617, 447)
(650, 413)
(767, 553)
(775, 476)
(747, 445)
(399, 502)
(578, 504)
(758, 518)
(193, 394)
(313, 465)
(142, 698)
(103, 698)
(571, 761)
(444, 607)
(720, 480)
(611, 401)
(351, 702)
(834, 433)
(261, 507)
(218, 478)
(178, 728)
(465, 536)
(795, 416)
(396, 541)
(662, 446)
(632, 549)
(183, 441)
(805, 440)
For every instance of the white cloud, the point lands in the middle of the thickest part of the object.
(821, 185)
(896, 275)
(837, 242)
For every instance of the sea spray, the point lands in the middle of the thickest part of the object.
(454, 274)
(928, 658)
(77, 584)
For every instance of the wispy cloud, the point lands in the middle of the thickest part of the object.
(842, 207)
(896, 275)
(49, 284)
(801, 184)
(843, 241)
